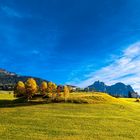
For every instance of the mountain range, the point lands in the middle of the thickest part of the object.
(118, 89)
(9, 79)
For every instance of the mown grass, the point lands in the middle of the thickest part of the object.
(79, 98)
(110, 119)
(6, 95)
(91, 98)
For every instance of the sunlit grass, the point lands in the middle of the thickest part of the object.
(110, 119)
(6, 95)
(92, 98)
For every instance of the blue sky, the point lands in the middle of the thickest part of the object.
(72, 41)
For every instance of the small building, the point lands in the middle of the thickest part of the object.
(134, 95)
(72, 88)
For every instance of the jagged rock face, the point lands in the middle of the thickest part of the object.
(98, 86)
(119, 89)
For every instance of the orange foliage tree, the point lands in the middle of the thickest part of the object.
(19, 89)
(51, 89)
(66, 92)
(43, 87)
(31, 88)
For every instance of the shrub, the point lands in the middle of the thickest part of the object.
(137, 100)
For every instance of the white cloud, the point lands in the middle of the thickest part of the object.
(10, 12)
(126, 69)
(35, 52)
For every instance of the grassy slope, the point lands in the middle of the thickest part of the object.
(103, 121)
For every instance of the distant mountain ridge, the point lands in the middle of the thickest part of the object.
(3, 72)
(118, 89)
(9, 79)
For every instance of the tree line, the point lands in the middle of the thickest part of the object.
(30, 88)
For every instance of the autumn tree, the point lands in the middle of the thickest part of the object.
(66, 92)
(51, 89)
(31, 87)
(58, 91)
(54, 88)
(19, 89)
(43, 87)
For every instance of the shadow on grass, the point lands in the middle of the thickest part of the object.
(38, 101)
(19, 103)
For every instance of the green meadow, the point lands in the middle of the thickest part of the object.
(94, 117)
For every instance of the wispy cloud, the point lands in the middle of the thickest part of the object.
(11, 12)
(36, 52)
(126, 69)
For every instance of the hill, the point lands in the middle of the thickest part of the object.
(91, 98)
(9, 79)
(118, 89)
(69, 121)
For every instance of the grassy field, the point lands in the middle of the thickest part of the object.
(110, 119)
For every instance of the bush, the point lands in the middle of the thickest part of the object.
(137, 100)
